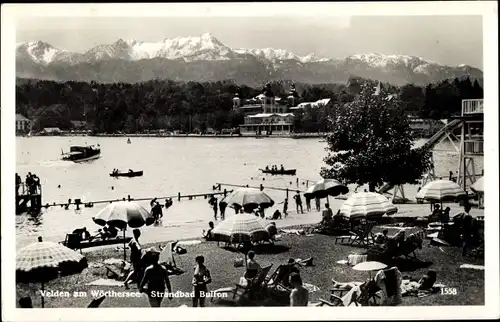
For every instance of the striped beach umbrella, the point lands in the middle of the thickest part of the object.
(45, 261)
(441, 190)
(367, 204)
(122, 214)
(241, 228)
(478, 186)
(325, 188)
(249, 198)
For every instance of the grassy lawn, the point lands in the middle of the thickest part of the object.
(445, 261)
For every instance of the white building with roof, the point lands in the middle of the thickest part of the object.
(273, 117)
(23, 124)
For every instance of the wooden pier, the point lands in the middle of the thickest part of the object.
(28, 199)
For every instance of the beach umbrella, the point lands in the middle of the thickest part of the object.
(241, 228)
(44, 261)
(325, 188)
(478, 186)
(369, 266)
(122, 214)
(441, 190)
(367, 204)
(248, 198)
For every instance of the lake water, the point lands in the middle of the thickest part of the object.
(170, 165)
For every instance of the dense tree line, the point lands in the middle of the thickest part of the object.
(196, 106)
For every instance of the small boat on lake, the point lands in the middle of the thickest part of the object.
(127, 174)
(290, 172)
(82, 153)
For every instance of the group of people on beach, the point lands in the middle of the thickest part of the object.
(32, 183)
(218, 206)
(152, 277)
(156, 208)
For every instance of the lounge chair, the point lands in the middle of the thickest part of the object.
(254, 285)
(96, 302)
(334, 301)
(408, 246)
(367, 291)
(361, 236)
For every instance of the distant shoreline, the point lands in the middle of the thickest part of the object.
(209, 136)
(278, 136)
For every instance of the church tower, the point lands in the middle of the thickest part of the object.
(293, 98)
(236, 101)
(268, 99)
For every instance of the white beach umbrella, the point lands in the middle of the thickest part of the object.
(45, 261)
(241, 228)
(248, 198)
(122, 214)
(367, 204)
(441, 190)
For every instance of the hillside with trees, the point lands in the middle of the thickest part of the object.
(190, 106)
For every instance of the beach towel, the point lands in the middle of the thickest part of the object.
(293, 231)
(471, 266)
(355, 259)
(352, 295)
(105, 282)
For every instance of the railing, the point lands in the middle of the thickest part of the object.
(472, 106)
(474, 147)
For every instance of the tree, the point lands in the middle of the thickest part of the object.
(371, 142)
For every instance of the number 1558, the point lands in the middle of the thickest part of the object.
(449, 291)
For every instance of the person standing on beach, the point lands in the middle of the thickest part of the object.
(222, 207)
(155, 277)
(285, 207)
(318, 205)
(135, 258)
(201, 278)
(298, 202)
(215, 205)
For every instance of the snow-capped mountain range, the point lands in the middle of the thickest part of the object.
(214, 60)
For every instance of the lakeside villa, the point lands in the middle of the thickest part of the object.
(269, 114)
(23, 124)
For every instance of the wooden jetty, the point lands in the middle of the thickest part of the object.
(28, 199)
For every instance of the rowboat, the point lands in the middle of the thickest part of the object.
(127, 174)
(290, 172)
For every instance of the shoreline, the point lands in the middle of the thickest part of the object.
(208, 136)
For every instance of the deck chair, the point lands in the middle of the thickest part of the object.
(368, 292)
(334, 301)
(408, 246)
(363, 235)
(96, 302)
(278, 278)
(253, 285)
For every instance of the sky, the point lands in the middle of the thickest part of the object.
(449, 40)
